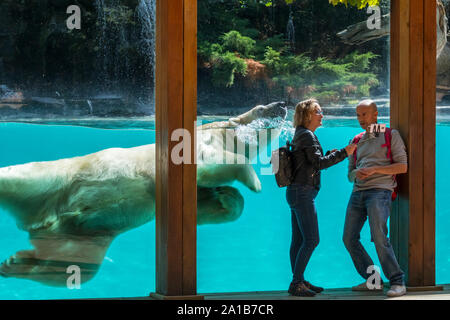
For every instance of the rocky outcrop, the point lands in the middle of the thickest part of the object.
(14, 106)
(443, 74)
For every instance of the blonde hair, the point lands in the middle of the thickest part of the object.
(304, 111)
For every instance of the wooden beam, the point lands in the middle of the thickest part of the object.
(413, 88)
(176, 184)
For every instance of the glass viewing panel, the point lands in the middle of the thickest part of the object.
(254, 53)
(442, 150)
(76, 80)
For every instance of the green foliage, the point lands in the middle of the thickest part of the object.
(363, 90)
(266, 3)
(226, 65)
(233, 30)
(272, 60)
(325, 97)
(119, 15)
(331, 79)
(359, 62)
(360, 4)
(276, 43)
(226, 59)
(233, 41)
(325, 71)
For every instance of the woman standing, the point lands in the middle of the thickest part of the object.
(308, 160)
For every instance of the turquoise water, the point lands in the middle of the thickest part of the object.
(248, 254)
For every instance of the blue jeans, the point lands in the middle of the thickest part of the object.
(305, 228)
(376, 205)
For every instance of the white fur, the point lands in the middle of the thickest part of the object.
(73, 208)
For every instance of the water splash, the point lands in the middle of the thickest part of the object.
(249, 133)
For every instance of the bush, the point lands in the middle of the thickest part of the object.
(225, 65)
(326, 97)
(359, 62)
(325, 71)
(331, 79)
(233, 41)
(277, 43)
(272, 60)
(227, 59)
(363, 90)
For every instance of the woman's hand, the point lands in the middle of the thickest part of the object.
(350, 148)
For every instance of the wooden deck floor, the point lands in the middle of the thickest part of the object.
(332, 294)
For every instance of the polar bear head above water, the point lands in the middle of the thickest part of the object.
(74, 208)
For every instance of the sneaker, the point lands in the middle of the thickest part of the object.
(313, 287)
(300, 290)
(291, 288)
(396, 290)
(363, 287)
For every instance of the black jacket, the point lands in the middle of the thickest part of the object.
(308, 158)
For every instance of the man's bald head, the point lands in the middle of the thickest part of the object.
(368, 103)
(367, 113)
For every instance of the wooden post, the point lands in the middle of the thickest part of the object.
(176, 184)
(413, 113)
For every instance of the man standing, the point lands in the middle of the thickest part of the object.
(379, 157)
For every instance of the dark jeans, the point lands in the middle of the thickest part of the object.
(376, 205)
(305, 229)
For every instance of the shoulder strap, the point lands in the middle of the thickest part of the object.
(289, 146)
(387, 139)
(355, 141)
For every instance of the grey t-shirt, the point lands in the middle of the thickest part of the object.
(370, 153)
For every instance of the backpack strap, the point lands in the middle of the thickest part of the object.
(388, 139)
(289, 149)
(355, 141)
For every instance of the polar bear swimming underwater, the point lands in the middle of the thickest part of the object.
(74, 208)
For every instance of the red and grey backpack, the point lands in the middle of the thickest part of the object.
(387, 138)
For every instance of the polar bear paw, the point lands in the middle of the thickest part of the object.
(250, 179)
(218, 205)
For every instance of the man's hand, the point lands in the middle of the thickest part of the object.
(396, 168)
(364, 173)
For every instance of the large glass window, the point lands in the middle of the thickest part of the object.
(254, 53)
(442, 153)
(76, 80)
